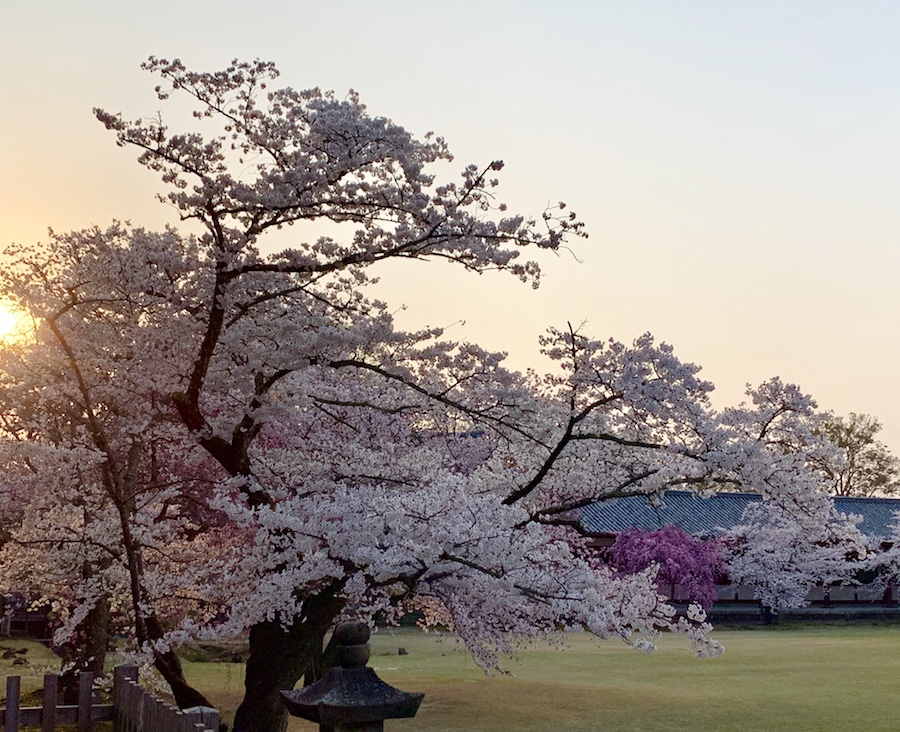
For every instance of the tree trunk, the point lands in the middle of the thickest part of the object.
(169, 665)
(148, 627)
(185, 695)
(322, 660)
(279, 656)
(88, 653)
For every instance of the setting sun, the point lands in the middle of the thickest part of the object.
(7, 323)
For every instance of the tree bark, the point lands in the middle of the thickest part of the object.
(770, 616)
(169, 665)
(280, 654)
(89, 653)
(148, 627)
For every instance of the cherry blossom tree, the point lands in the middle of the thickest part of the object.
(94, 466)
(235, 441)
(693, 565)
(883, 569)
(783, 558)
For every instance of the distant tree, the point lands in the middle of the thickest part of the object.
(868, 468)
(682, 560)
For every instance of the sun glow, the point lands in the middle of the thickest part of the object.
(8, 323)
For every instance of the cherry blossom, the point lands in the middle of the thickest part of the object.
(200, 439)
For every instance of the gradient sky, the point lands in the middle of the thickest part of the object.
(737, 164)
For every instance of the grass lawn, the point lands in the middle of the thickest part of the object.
(796, 679)
(802, 679)
(38, 660)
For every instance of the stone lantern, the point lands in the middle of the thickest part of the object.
(351, 697)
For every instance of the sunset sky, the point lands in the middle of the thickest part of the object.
(737, 164)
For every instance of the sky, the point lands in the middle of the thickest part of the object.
(737, 165)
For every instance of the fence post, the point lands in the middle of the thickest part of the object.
(207, 716)
(122, 676)
(12, 704)
(49, 702)
(136, 710)
(142, 708)
(151, 715)
(85, 701)
(189, 720)
(211, 718)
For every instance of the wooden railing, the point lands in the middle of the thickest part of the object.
(133, 709)
(137, 710)
(85, 714)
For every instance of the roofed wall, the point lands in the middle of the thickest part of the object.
(711, 516)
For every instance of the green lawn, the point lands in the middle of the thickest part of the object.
(37, 660)
(801, 680)
(787, 679)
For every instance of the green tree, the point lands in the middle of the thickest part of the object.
(868, 468)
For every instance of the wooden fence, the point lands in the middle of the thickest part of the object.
(133, 709)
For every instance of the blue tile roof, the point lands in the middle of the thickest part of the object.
(709, 516)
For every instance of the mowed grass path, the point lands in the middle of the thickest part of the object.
(801, 680)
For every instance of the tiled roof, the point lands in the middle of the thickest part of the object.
(879, 514)
(709, 516)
